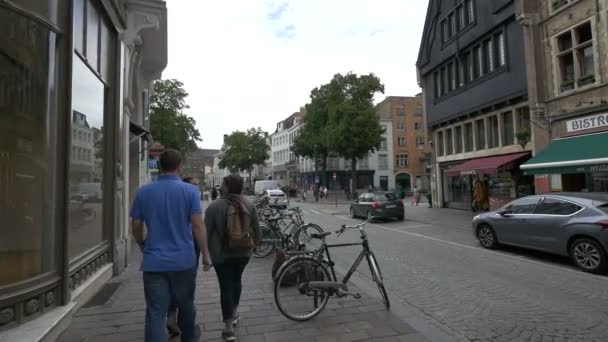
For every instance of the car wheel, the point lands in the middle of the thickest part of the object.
(352, 213)
(487, 236)
(588, 255)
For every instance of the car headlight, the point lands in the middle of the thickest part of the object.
(476, 217)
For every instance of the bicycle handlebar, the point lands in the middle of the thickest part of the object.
(357, 226)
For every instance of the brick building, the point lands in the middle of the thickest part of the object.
(407, 140)
(566, 55)
(199, 164)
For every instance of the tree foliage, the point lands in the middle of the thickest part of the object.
(312, 140)
(168, 124)
(244, 150)
(354, 125)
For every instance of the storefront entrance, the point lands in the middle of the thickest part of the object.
(404, 184)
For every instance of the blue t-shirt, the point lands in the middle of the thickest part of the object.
(166, 207)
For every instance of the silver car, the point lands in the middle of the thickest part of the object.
(568, 224)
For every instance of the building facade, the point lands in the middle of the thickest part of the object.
(285, 168)
(566, 51)
(407, 139)
(75, 77)
(472, 69)
(199, 164)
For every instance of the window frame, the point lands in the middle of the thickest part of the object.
(581, 207)
(576, 48)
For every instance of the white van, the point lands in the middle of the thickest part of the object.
(263, 185)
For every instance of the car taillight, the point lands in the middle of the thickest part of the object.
(376, 205)
(400, 203)
(603, 224)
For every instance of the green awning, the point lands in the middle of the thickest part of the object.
(581, 154)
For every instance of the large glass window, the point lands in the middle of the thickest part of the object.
(468, 137)
(86, 173)
(458, 142)
(508, 132)
(493, 133)
(27, 235)
(480, 134)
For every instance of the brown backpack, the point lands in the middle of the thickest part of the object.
(239, 234)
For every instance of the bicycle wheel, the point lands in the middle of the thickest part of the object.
(302, 237)
(377, 277)
(267, 243)
(293, 296)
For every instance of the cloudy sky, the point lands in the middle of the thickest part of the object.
(252, 63)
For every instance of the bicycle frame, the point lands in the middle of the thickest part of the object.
(365, 252)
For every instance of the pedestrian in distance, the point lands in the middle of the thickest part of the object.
(171, 211)
(415, 199)
(233, 231)
(172, 325)
(214, 194)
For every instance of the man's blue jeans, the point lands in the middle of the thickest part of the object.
(159, 288)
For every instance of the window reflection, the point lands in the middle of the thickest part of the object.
(26, 237)
(86, 160)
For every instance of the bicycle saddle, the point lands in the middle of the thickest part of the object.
(319, 235)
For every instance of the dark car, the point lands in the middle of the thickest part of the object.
(378, 204)
(568, 224)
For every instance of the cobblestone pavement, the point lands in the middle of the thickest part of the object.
(440, 273)
(122, 317)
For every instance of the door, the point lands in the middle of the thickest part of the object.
(364, 205)
(513, 226)
(552, 215)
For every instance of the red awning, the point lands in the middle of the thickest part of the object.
(485, 166)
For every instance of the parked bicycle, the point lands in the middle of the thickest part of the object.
(304, 284)
(286, 230)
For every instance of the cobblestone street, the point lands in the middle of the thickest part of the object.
(121, 318)
(435, 268)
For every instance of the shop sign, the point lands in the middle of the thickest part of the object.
(468, 172)
(152, 165)
(588, 122)
(592, 168)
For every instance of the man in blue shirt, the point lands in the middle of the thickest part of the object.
(171, 211)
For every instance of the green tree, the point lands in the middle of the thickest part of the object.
(312, 140)
(168, 124)
(244, 150)
(354, 125)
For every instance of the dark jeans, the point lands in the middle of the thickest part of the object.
(159, 287)
(229, 275)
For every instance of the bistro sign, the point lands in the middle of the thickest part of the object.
(588, 122)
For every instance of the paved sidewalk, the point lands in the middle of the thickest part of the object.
(120, 317)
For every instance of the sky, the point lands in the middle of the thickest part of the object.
(251, 63)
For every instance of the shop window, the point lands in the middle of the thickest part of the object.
(458, 142)
(575, 57)
(440, 144)
(493, 133)
(468, 137)
(553, 206)
(480, 134)
(449, 143)
(508, 133)
(27, 233)
(86, 177)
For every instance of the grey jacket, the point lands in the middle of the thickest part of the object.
(215, 222)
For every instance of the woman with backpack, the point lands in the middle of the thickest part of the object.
(232, 232)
